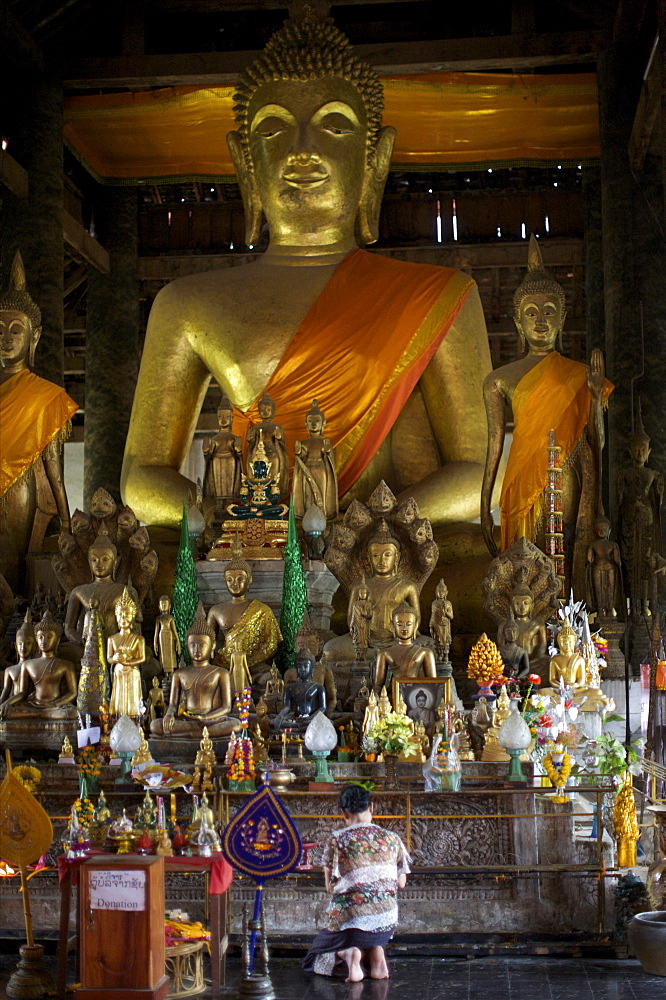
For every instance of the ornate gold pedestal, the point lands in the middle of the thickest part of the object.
(260, 539)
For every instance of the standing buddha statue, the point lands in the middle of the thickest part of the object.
(166, 642)
(126, 651)
(224, 457)
(545, 391)
(35, 418)
(315, 480)
(271, 436)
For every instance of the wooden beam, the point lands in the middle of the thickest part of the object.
(216, 7)
(76, 278)
(13, 176)
(524, 51)
(648, 113)
(84, 244)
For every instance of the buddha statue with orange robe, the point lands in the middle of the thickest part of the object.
(35, 420)
(391, 349)
(546, 392)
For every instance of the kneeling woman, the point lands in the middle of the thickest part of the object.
(364, 866)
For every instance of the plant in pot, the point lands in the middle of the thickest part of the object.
(395, 736)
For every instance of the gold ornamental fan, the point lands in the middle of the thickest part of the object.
(25, 829)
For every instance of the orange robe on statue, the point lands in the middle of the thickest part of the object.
(33, 413)
(551, 396)
(360, 351)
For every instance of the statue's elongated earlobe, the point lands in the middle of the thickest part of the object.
(374, 182)
(248, 189)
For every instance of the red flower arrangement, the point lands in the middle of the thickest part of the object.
(241, 766)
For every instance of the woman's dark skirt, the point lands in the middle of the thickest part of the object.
(322, 956)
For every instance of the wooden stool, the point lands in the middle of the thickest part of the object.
(184, 965)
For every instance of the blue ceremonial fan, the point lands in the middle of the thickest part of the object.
(262, 841)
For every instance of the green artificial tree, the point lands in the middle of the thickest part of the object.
(294, 595)
(185, 595)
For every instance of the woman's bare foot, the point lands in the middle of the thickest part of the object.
(352, 956)
(378, 966)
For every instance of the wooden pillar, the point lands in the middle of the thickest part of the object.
(33, 225)
(112, 341)
(594, 282)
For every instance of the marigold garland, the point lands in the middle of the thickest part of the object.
(30, 777)
(558, 776)
(84, 810)
(241, 766)
(88, 762)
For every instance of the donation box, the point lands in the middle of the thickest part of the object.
(121, 928)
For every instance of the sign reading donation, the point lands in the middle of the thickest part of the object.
(118, 890)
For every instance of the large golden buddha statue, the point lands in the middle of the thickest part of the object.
(35, 420)
(547, 392)
(390, 349)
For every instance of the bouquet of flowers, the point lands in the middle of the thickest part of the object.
(84, 810)
(89, 763)
(485, 664)
(394, 734)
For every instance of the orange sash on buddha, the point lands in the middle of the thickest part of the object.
(33, 412)
(552, 396)
(360, 351)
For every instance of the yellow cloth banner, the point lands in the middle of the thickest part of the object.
(442, 119)
(360, 350)
(552, 396)
(32, 413)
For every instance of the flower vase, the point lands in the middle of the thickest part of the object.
(390, 771)
(87, 785)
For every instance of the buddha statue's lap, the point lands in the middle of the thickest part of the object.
(199, 325)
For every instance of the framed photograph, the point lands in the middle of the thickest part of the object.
(422, 695)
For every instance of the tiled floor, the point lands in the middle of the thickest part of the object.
(457, 979)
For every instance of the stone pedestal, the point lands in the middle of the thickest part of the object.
(267, 586)
(36, 734)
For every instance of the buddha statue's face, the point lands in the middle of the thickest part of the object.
(16, 338)
(363, 593)
(639, 451)
(510, 634)
(225, 417)
(441, 591)
(540, 319)
(602, 528)
(25, 646)
(383, 558)
(404, 624)
(237, 582)
(522, 605)
(304, 665)
(124, 616)
(308, 150)
(199, 647)
(165, 604)
(101, 561)
(566, 643)
(314, 423)
(266, 409)
(47, 639)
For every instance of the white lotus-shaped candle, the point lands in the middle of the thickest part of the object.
(125, 737)
(320, 736)
(514, 733)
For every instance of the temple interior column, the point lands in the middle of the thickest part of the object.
(112, 333)
(33, 225)
(634, 262)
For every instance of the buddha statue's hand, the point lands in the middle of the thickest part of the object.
(596, 373)
(167, 721)
(487, 529)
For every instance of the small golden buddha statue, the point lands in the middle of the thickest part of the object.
(164, 847)
(405, 658)
(35, 418)
(224, 457)
(47, 685)
(325, 175)
(67, 750)
(243, 625)
(166, 642)
(371, 715)
(492, 748)
(271, 436)
(200, 694)
(567, 665)
(383, 704)
(201, 813)
(206, 753)
(156, 702)
(103, 560)
(143, 754)
(259, 745)
(25, 644)
(546, 392)
(126, 651)
(315, 479)
(361, 619)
